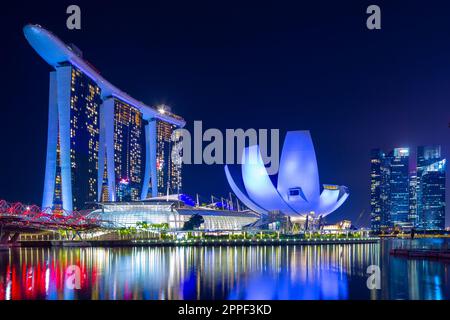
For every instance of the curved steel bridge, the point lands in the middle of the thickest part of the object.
(16, 218)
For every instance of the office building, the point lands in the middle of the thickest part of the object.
(430, 188)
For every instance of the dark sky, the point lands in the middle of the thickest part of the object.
(289, 65)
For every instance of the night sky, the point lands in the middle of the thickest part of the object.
(293, 66)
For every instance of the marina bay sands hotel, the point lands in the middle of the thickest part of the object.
(103, 145)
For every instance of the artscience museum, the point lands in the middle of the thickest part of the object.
(297, 192)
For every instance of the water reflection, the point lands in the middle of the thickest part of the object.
(414, 279)
(265, 272)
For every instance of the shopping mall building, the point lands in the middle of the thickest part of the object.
(173, 213)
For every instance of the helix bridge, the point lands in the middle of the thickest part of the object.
(16, 218)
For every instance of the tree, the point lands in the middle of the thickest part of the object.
(194, 222)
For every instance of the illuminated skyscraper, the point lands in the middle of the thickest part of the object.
(430, 188)
(390, 191)
(57, 194)
(414, 200)
(73, 140)
(399, 187)
(168, 170)
(176, 180)
(129, 147)
(376, 204)
(98, 136)
(413, 217)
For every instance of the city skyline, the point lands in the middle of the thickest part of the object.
(404, 196)
(195, 154)
(221, 83)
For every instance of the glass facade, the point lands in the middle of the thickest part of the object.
(376, 159)
(399, 187)
(57, 196)
(85, 102)
(415, 199)
(129, 151)
(130, 214)
(413, 217)
(430, 188)
(168, 171)
(390, 189)
(105, 191)
(380, 190)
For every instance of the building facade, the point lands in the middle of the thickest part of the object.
(430, 188)
(129, 150)
(398, 161)
(413, 217)
(171, 213)
(390, 189)
(168, 161)
(102, 143)
(400, 198)
(376, 203)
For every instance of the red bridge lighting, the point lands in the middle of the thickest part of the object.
(18, 216)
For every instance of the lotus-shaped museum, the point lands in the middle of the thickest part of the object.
(297, 192)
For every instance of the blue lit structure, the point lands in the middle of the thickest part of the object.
(186, 199)
(430, 188)
(95, 131)
(297, 193)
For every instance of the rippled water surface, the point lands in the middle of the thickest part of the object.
(259, 272)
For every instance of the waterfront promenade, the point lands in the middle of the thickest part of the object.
(195, 242)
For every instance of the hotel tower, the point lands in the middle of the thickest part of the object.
(102, 144)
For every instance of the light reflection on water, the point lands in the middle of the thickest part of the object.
(256, 272)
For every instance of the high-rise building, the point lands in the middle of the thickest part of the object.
(389, 189)
(376, 203)
(98, 136)
(168, 162)
(73, 140)
(430, 188)
(400, 199)
(413, 217)
(399, 187)
(129, 148)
